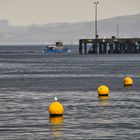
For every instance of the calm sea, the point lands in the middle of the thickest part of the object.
(29, 80)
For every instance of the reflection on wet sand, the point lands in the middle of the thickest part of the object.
(103, 118)
(103, 100)
(56, 127)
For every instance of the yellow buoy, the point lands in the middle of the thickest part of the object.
(56, 108)
(103, 90)
(128, 81)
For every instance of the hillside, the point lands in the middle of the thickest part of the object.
(129, 26)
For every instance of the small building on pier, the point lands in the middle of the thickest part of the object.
(109, 46)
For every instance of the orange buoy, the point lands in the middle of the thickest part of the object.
(56, 108)
(103, 90)
(128, 81)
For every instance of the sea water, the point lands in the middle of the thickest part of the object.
(29, 80)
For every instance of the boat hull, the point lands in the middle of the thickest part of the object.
(56, 51)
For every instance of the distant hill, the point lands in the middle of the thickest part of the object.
(129, 26)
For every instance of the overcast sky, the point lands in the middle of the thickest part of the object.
(23, 12)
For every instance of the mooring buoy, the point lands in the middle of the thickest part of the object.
(103, 90)
(56, 108)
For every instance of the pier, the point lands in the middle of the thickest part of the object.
(109, 46)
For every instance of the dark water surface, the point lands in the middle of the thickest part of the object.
(29, 80)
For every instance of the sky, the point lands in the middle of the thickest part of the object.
(26, 12)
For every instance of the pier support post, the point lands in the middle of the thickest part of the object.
(85, 48)
(104, 48)
(80, 46)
